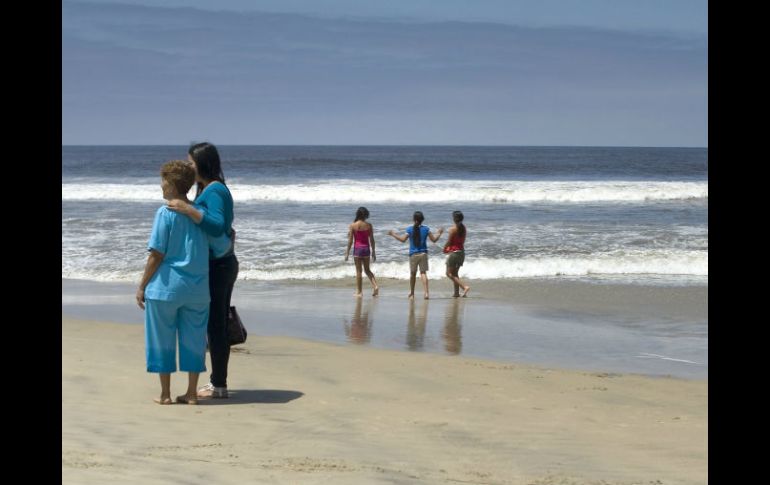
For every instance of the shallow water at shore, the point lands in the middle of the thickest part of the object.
(599, 327)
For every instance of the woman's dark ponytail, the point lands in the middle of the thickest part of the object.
(458, 217)
(418, 218)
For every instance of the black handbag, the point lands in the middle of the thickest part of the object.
(236, 332)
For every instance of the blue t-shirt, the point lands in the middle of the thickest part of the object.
(220, 246)
(217, 223)
(423, 247)
(183, 275)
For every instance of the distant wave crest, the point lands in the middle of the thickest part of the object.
(408, 191)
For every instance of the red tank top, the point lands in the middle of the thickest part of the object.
(456, 243)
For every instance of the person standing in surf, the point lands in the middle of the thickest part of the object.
(455, 248)
(418, 236)
(362, 233)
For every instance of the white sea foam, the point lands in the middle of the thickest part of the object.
(642, 262)
(406, 191)
(645, 355)
(658, 262)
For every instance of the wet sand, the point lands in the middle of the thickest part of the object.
(583, 326)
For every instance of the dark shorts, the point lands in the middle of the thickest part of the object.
(361, 252)
(455, 259)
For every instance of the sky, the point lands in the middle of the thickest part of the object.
(412, 72)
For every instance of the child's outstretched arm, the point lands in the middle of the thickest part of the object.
(435, 238)
(400, 238)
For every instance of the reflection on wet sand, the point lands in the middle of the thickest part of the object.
(415, 329)
(359, 328)
(452, 331)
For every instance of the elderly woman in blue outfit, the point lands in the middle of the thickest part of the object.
(213, 212)
(174, 290)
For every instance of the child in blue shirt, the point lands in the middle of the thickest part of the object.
(418, 250)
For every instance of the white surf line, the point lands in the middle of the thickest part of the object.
(645, 355)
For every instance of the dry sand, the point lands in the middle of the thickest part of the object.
(308, 412)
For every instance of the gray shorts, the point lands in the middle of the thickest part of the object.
(419, 259)
(455, 259)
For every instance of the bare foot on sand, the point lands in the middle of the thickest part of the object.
(427, 297)
(185, 399)
(163, 400)
(411, 296)
(358, 295)
(467, 289)
(376, 291)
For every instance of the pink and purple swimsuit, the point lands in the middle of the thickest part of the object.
(361, 245)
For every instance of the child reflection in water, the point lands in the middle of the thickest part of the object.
(415, 329)
(452, 332)
(359, 329)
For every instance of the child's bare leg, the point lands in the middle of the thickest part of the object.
(466, 288)
(412, 279)
(165, 389)
(358, 276)
(450, 274)
(424, 278)
(369, 274)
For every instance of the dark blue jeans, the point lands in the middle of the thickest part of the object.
(222, 275)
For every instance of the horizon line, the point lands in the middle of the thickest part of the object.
(377, 145)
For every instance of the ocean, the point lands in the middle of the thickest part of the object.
(604, 214)
(583, 258)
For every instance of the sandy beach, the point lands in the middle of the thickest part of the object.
(312, 412)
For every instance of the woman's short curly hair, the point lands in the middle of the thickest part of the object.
(180, 174)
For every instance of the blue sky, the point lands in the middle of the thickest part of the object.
(457, 72)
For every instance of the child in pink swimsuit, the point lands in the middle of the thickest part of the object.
(361, 244)
(362, 233)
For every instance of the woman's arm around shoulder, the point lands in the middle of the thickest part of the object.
(217, 200)
(183, 207)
